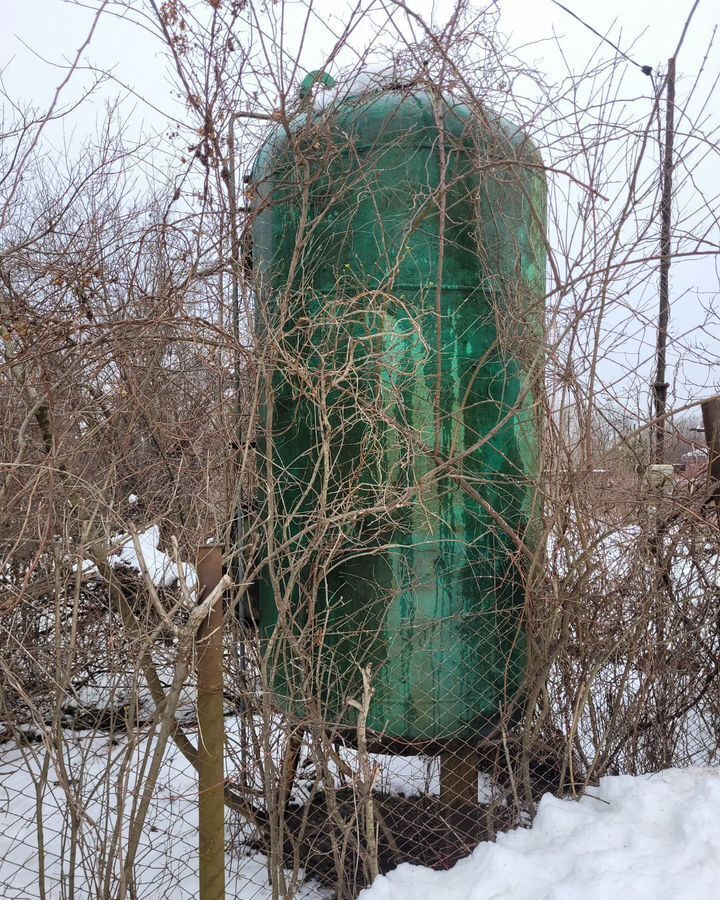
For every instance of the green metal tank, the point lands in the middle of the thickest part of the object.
(399, 261)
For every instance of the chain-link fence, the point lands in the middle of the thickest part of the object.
(621, 678)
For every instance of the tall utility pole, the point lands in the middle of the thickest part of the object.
(661, 385)
(236, 525)
(235, 264)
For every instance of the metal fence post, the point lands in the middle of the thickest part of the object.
(211, 774)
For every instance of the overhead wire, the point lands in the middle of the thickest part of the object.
(646, 70)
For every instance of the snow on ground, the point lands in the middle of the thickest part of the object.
(101, 779)
(651, 837)
(413, 775)
(107, 692)
(641, 838)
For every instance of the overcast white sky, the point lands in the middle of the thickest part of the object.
(40, 36)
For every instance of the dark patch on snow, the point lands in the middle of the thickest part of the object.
(327, 840)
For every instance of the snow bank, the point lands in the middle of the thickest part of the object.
(161, 568)
(641, 838)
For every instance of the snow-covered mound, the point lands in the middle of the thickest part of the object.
(160, 567)
(162, 570)
(652, 837)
